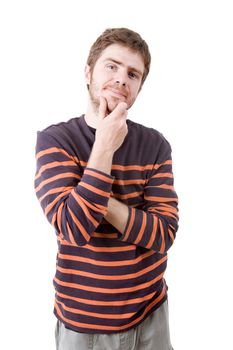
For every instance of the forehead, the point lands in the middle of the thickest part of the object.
(124, 55)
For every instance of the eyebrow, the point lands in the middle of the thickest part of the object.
(121, 64)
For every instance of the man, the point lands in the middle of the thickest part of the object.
(105, 183)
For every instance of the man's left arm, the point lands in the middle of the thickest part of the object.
(154, 226)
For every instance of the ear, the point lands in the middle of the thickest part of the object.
(87, 74)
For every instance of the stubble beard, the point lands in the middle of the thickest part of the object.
(94, 93)
(95, 99)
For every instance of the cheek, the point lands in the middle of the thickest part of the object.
(134, 92)
(132, 96)
(101, 77)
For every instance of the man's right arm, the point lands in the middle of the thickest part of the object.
(100, 159)
(74, 201)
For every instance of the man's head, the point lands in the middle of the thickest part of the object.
(117, 66)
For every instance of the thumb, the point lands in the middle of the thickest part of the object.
(102, 107)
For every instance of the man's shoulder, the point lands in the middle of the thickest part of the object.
(61, 127)
(146, 133)
(148, 143)
(62, 134)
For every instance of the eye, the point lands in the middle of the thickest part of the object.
(111, 67)
(132, 75)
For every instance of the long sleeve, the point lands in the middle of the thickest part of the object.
(154, 226)
(73, 199)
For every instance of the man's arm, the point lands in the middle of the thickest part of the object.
(74, 201)
(117, 214)
(154, 226)
(110, 134)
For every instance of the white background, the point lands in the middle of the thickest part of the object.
(187, 96)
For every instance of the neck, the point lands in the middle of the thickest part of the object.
(91, 117)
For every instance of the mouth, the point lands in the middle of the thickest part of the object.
(116, 93)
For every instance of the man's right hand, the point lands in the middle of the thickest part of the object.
(112, 128)
(110, 134)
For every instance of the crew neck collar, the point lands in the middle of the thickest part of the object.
(88, 126)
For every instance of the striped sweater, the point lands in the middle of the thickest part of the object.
(106, 281)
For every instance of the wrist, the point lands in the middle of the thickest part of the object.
(100, 147)
(100, 159)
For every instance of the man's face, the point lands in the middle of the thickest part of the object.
(117, 76)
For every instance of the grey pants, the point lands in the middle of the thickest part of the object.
(152, 334)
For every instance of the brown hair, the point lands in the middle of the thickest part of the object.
(122, 36)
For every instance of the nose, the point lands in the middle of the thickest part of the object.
(121, 78)
(118, 82)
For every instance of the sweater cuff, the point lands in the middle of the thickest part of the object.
(95, 186)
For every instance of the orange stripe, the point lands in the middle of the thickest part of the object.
(114, 166)
(162, 249)
(171, 234)
(84, 208)
(108, 303)
(164, 207)
(94, 314)
(168, 214)
(156, 210)
(56, 150)
(94, 189)
(54, 218)
(105, 235)
(112, 328)
(132, 167)
(97, 207)
(56, 190)
(59, 214)
(167, 205)
(129, 182)
(162, 175)
(98, 176)
(131, 222)
(139, 167)
(164, 186)
(160, 199)
(106, 263)
(56, 177)
(70, 233)
(109, 290)
(142, 229)
(127, 196)
(113, 277)
(79, 225)
(109, 249)
(51, 205)
(54, 165)
(153, 233)
(167, 162)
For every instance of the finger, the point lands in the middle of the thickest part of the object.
(120, 110)
(102, 107)
(121, 107)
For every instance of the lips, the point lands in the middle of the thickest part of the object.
(117, 92)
